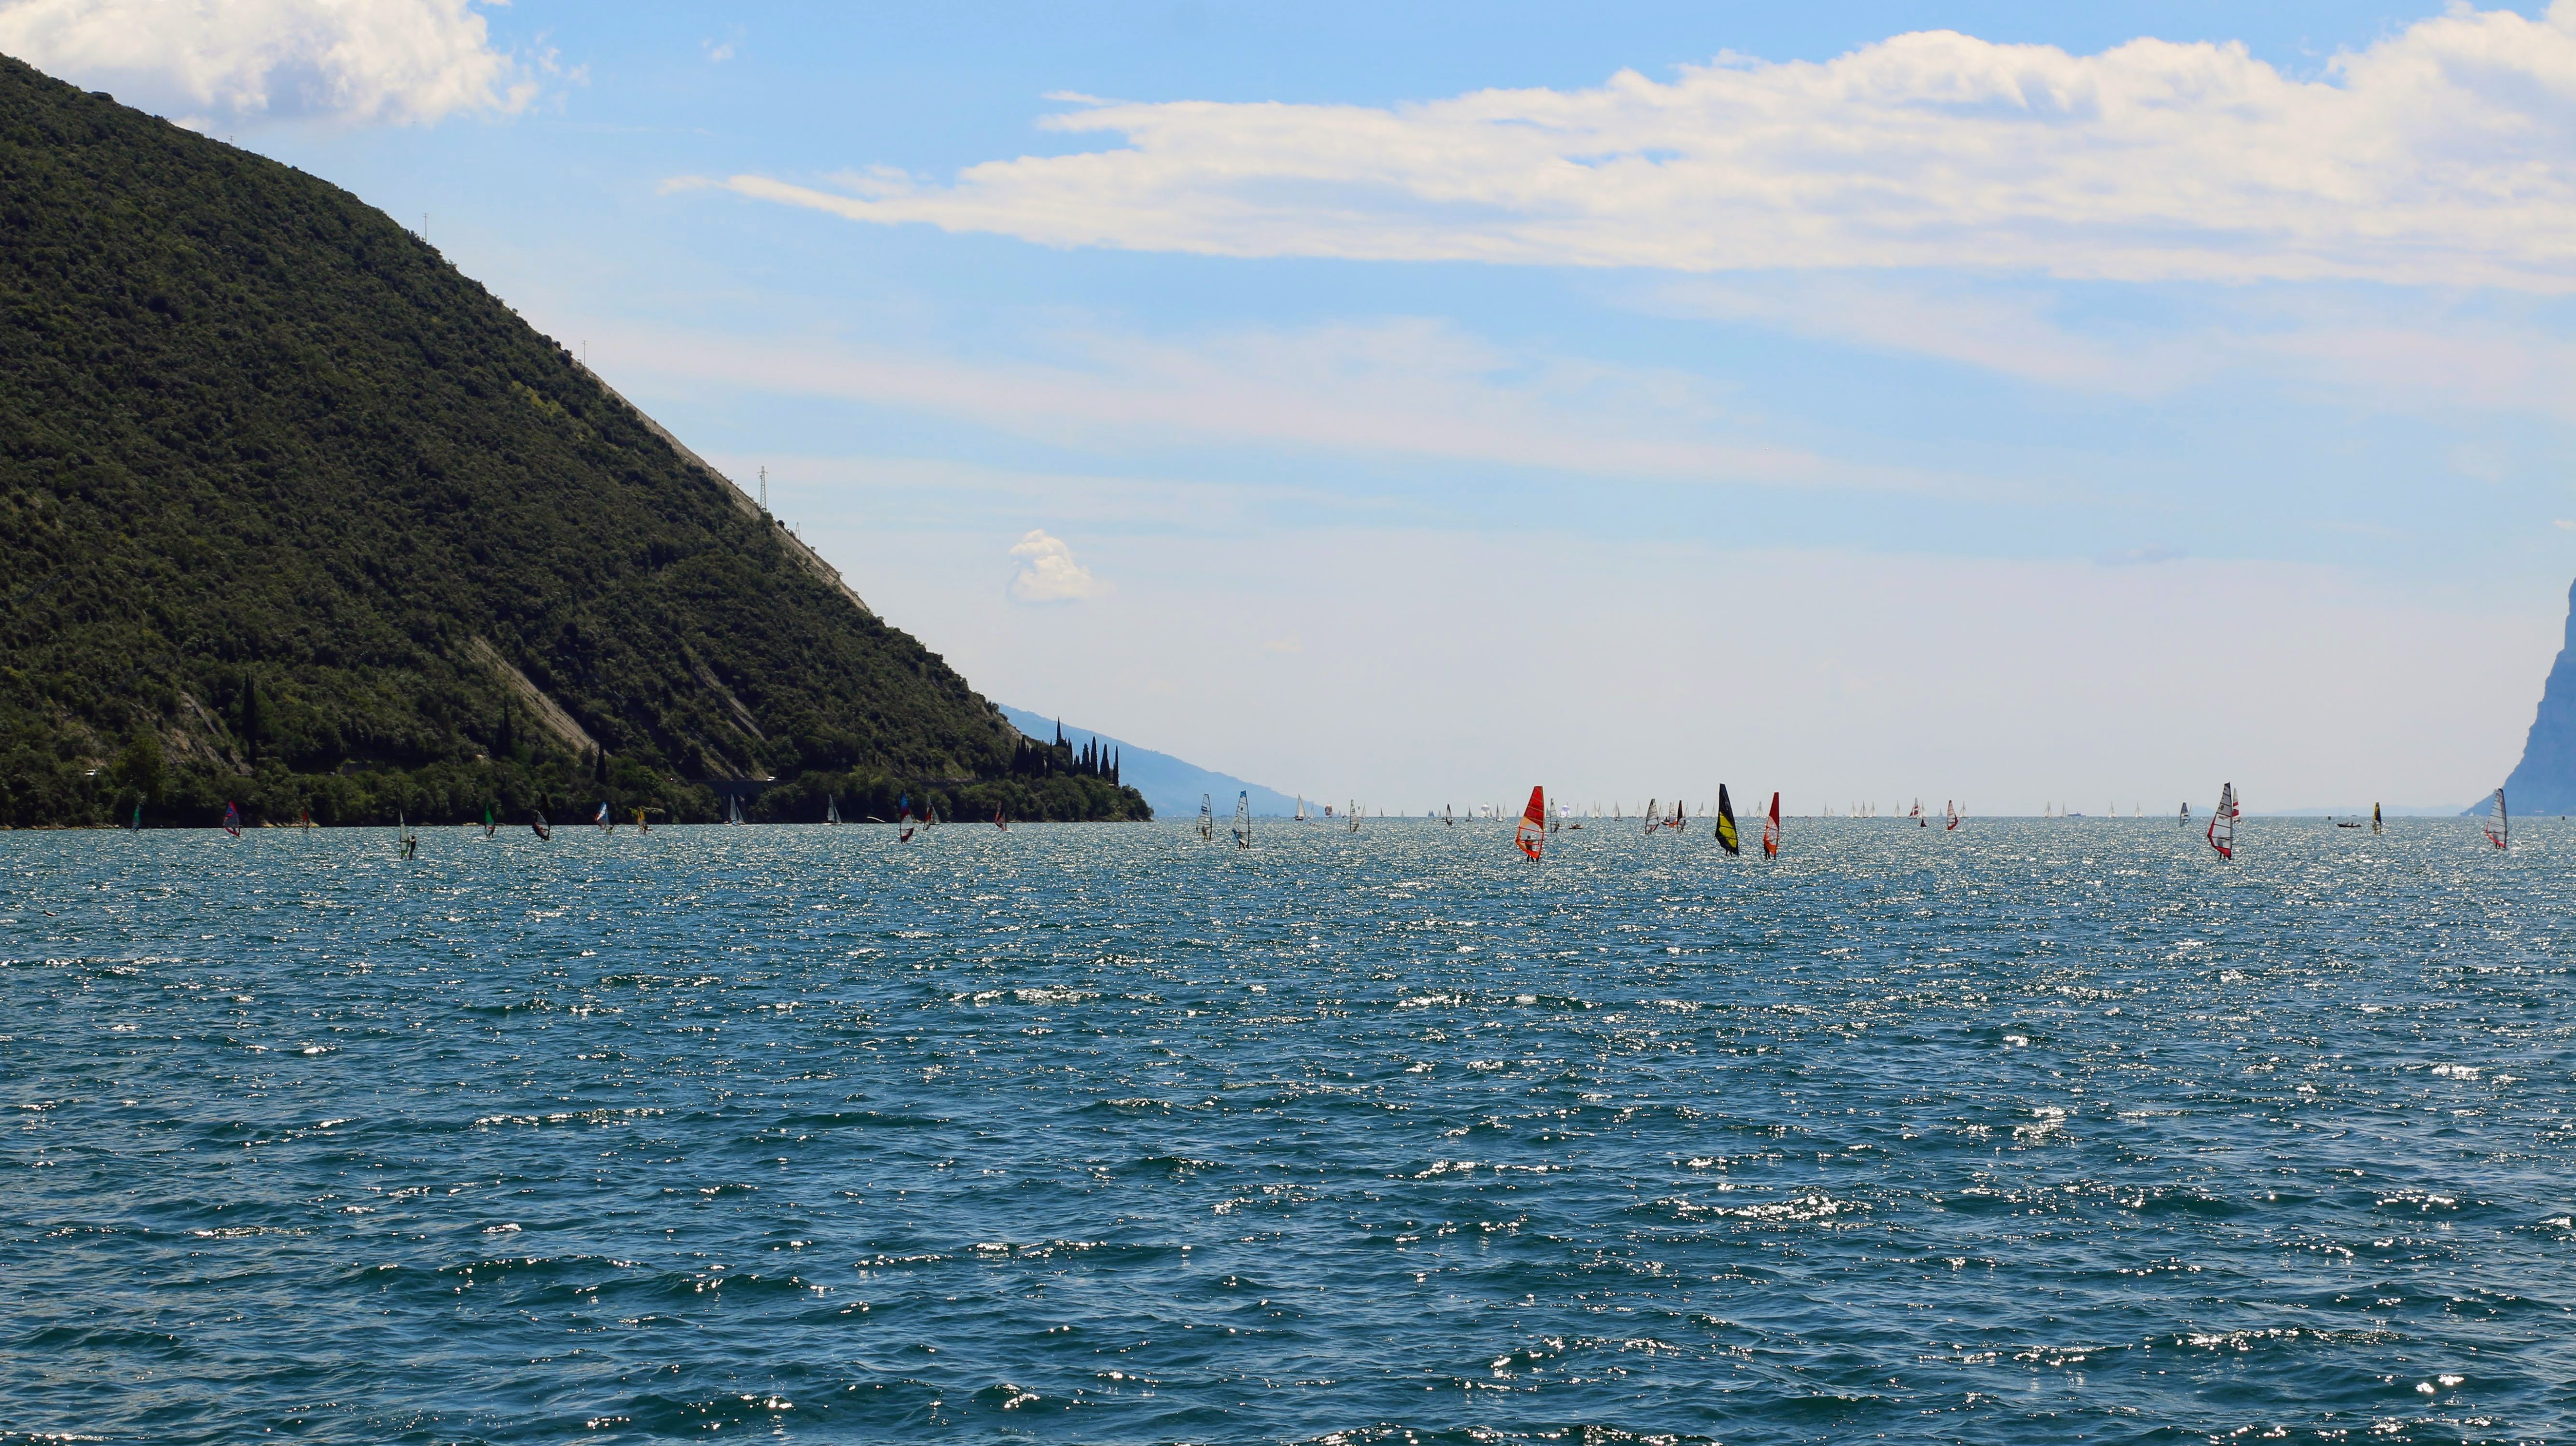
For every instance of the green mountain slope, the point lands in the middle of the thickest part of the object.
(294, 513)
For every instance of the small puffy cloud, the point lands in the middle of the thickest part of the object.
(2440, 155)
(1048, 572)
(384, 62)
(717, 54)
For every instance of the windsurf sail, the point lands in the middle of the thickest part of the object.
(1243, 819)
(1448, 818)
(606, 824)
(537, 825)
(831, 809)
(999, 821)
(138, 818)
(404, 837)
(1532, 833)
(1957, 813)
(232, 818)
(491, 825)
(2222, 822)
(733, 808)
(1676, 823)
(1207, 817)
(1654, 815)
(903, 819)
(2186, 813)
(2497, 832)
(1726, 835)
(1352, 815)
(2374, 818)
(1771, 830)
(640, 825)
(305, 819)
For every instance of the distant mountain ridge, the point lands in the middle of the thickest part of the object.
(2544, 782)
(1171, 785)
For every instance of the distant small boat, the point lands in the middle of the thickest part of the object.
(1531, 835)
(1726, 835)
(232, 818)
(2222, 822)
(1243, 819)
(1771, 830)
(2497, 830)
(1207, 817)
(1301, 808)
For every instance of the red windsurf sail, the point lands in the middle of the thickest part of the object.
(1771, 830)
(232, 818)
(1532, 834)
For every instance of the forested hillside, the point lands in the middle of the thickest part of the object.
(296, 514)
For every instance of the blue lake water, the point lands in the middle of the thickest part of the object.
(2038, 1131)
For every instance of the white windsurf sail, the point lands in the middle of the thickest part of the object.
(2497, 831)
(2222, 822)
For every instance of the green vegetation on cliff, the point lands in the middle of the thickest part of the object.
(296, 514)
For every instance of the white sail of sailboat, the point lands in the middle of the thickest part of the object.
(734, 801)
(1243, 819)
(1301, 808)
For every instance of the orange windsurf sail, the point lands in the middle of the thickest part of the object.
(1532, 834)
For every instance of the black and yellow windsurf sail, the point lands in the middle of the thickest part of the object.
(1726, 822)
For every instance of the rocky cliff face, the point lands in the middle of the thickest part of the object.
(2545, 780)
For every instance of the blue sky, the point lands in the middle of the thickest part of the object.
(1867, 401)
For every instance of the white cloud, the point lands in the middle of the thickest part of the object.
(396, 62)
(2443, 154)
(1048, 572)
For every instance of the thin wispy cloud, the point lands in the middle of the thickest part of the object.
(2442, 155)
(1402, 387)
(389, 62)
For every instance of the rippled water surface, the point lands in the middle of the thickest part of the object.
(2037, 1131)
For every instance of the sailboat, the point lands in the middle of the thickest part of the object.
(2222, 822)
(2374, 818)
(1771, 830)
(903, 819)
(1243, 819)
(232, 818)
(831, 809)
(1207, 818)
(1531, 835)
(1301, 808)
(2497, 832)
(1726, 835)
